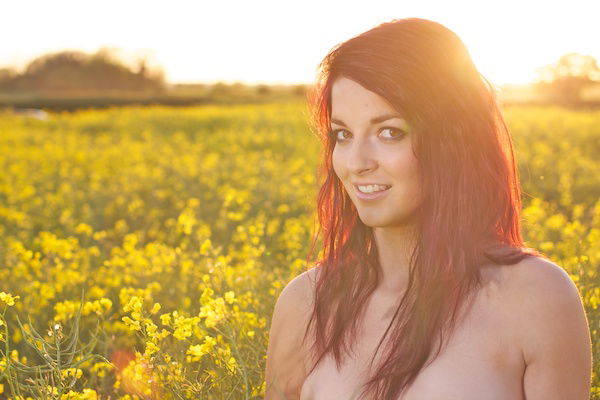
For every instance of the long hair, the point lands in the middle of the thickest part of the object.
(470, 211)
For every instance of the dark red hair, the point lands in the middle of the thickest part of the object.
(471, 207)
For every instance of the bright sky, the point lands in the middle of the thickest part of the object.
(278, 41)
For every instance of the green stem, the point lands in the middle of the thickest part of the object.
(7, 356)
(240, 362)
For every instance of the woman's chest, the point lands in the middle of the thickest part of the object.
(481, 361)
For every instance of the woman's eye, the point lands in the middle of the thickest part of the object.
(398, 131)
(335, 132)
(394, 134)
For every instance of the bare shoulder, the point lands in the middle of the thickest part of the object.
(298, 293)
(533, 268)
(286, 353)
(544, 288)
(534, 278)
(553, 330)
(304, 283)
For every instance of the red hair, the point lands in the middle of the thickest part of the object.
(471, 207)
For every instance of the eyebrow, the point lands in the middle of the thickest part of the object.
(374, 120)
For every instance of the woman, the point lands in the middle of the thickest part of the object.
(425, 289)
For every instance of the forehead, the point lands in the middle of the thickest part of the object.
(349, 98)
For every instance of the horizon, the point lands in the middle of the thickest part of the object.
(261, 44)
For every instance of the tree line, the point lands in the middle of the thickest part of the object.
(69, 72)
(76, 71)
(564, 81)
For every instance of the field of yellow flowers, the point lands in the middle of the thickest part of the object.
(142, 248)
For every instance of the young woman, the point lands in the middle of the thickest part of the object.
(425, 290)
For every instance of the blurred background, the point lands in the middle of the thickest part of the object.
(66, 54)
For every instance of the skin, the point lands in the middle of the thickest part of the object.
(381, 153)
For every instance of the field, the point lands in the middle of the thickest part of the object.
(178, 227)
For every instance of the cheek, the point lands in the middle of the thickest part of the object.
(404, 165)
(335, 162)
(405, 171)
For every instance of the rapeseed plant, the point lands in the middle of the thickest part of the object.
(184, 224)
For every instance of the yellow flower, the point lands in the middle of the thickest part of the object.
(163, 334)
(230, 297)
(183, 327)
(205, 247)
(214, 311)
(76, 372)
(209, 344)
(151, 348)
(155, 308)
(84, 228)
(100, 368)
(106, 303)
(206, 296)
(133, 325)
(231, 364)
(134, 304)
(99, 235)
(151, 327)
(66, 309)
(90, 394)
(195, 352)
(165, 319)
(97, 306)
(8, 299)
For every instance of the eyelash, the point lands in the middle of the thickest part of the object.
(334, 132)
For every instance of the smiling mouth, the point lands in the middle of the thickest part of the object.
(372, 196)
(370, 189)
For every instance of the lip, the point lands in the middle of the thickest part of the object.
(370, 196)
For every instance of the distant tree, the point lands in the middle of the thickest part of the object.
(563, 81)
(7, 77)
(220, 89)
(300, 90)
(263, 89)
(76, 71)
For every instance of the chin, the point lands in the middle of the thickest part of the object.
(375, 221)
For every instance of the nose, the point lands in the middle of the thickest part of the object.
(361, 158)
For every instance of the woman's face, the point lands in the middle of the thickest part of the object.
(373, 146)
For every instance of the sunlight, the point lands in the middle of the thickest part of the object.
(272, 42)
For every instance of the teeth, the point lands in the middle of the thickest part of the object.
(373, 188)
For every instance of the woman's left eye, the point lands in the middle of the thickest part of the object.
(399, 135)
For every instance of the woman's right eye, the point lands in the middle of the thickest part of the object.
(335, 135)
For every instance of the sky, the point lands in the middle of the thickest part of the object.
(278, 41)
